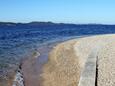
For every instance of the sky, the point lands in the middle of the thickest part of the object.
(66, 11)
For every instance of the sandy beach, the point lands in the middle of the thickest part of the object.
(62, 68)
(67, 60)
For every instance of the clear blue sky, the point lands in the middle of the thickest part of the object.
(68, 11)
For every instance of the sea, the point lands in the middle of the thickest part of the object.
(19, 43)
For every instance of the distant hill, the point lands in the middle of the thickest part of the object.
(32, 24)
(12, 25)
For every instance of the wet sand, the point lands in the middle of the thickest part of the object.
(32, 67)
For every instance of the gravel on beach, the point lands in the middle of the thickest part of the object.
(67, 60)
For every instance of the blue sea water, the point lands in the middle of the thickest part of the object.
(18, 43)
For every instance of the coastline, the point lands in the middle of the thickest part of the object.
(32, 67)
(64, 62)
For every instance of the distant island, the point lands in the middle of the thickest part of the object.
(46, 24)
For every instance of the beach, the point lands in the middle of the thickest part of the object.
(65, 63)
(62, 68)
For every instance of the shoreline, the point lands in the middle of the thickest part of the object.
(32, 67)
(25, 61)
(65, 61)
(35, 62)
(58, 40)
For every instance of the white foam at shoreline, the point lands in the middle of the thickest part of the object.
(18, 80)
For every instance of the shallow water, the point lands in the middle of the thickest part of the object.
(32, 67)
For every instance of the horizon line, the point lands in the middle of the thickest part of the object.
(57, 22)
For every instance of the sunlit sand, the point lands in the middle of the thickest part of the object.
(67, 60)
